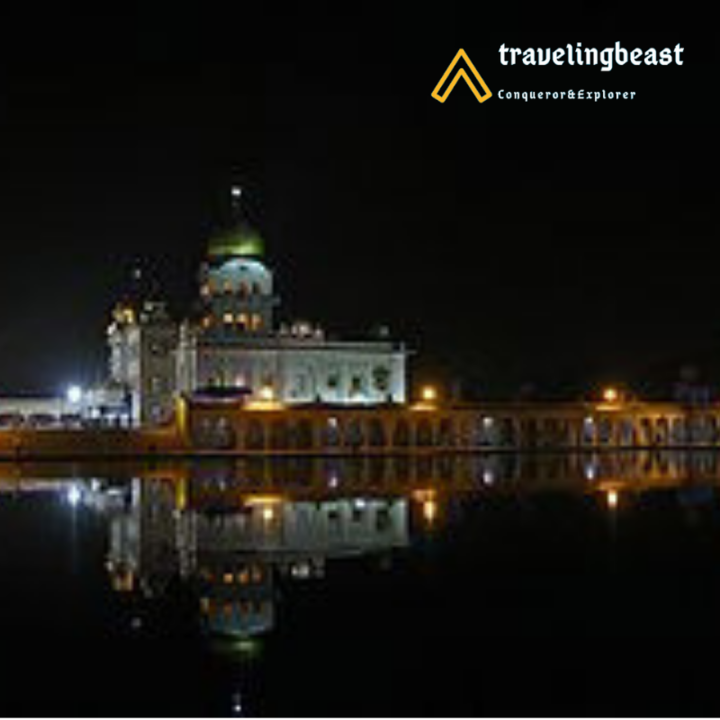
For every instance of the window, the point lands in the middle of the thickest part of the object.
(356, 385)
(382, 519)
(381, 378)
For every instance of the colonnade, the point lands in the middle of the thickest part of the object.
(491, 427)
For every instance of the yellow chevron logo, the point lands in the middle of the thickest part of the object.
(461, 54)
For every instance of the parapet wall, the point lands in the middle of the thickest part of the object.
(23, 444)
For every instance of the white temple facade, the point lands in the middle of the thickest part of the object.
(233, 344)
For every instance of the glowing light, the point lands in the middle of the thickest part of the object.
(74, 394)
(428, 504)
(74, 495)
(267, 393)
(252, 500)
(429, 510)
(237, 703)
(266, 503)
(611, 395)
(428, 399)
(266, 400)
(612, 498)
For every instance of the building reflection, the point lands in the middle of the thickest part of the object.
(234, 546)
(238, 532)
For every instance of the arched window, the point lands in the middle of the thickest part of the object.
(279, 435)
(255, 435)
(424, 431)
(353, 433)
(401, 436)
(304, 435)
(376, 433)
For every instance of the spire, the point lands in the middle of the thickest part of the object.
(240, 197)
(236, 213)
(239, 237)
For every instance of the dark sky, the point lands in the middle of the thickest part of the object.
(559, 244)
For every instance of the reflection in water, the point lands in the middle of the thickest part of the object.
(231, 531)
(232, 546)
(612, 498)
(429, 504)
(545, 470)
(541, 547)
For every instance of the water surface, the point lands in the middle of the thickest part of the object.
(503, 585)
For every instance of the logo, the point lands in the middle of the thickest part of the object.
(461, 74)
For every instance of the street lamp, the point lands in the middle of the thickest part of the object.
(74, 495)
(266, 393)
(74, 394)
(610, 395)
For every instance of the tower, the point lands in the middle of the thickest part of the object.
(142, 340)
(236, 288)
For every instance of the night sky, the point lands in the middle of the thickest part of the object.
(552, 245)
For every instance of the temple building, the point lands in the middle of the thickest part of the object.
(234, 345)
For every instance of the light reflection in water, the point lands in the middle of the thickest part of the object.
(236, 531)
(234, 546)
(612, 498)
(246, 539)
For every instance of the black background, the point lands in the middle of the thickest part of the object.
(557, 244)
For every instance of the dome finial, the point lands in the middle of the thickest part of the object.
(235, 202)
(239, 238)
(239, 214)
